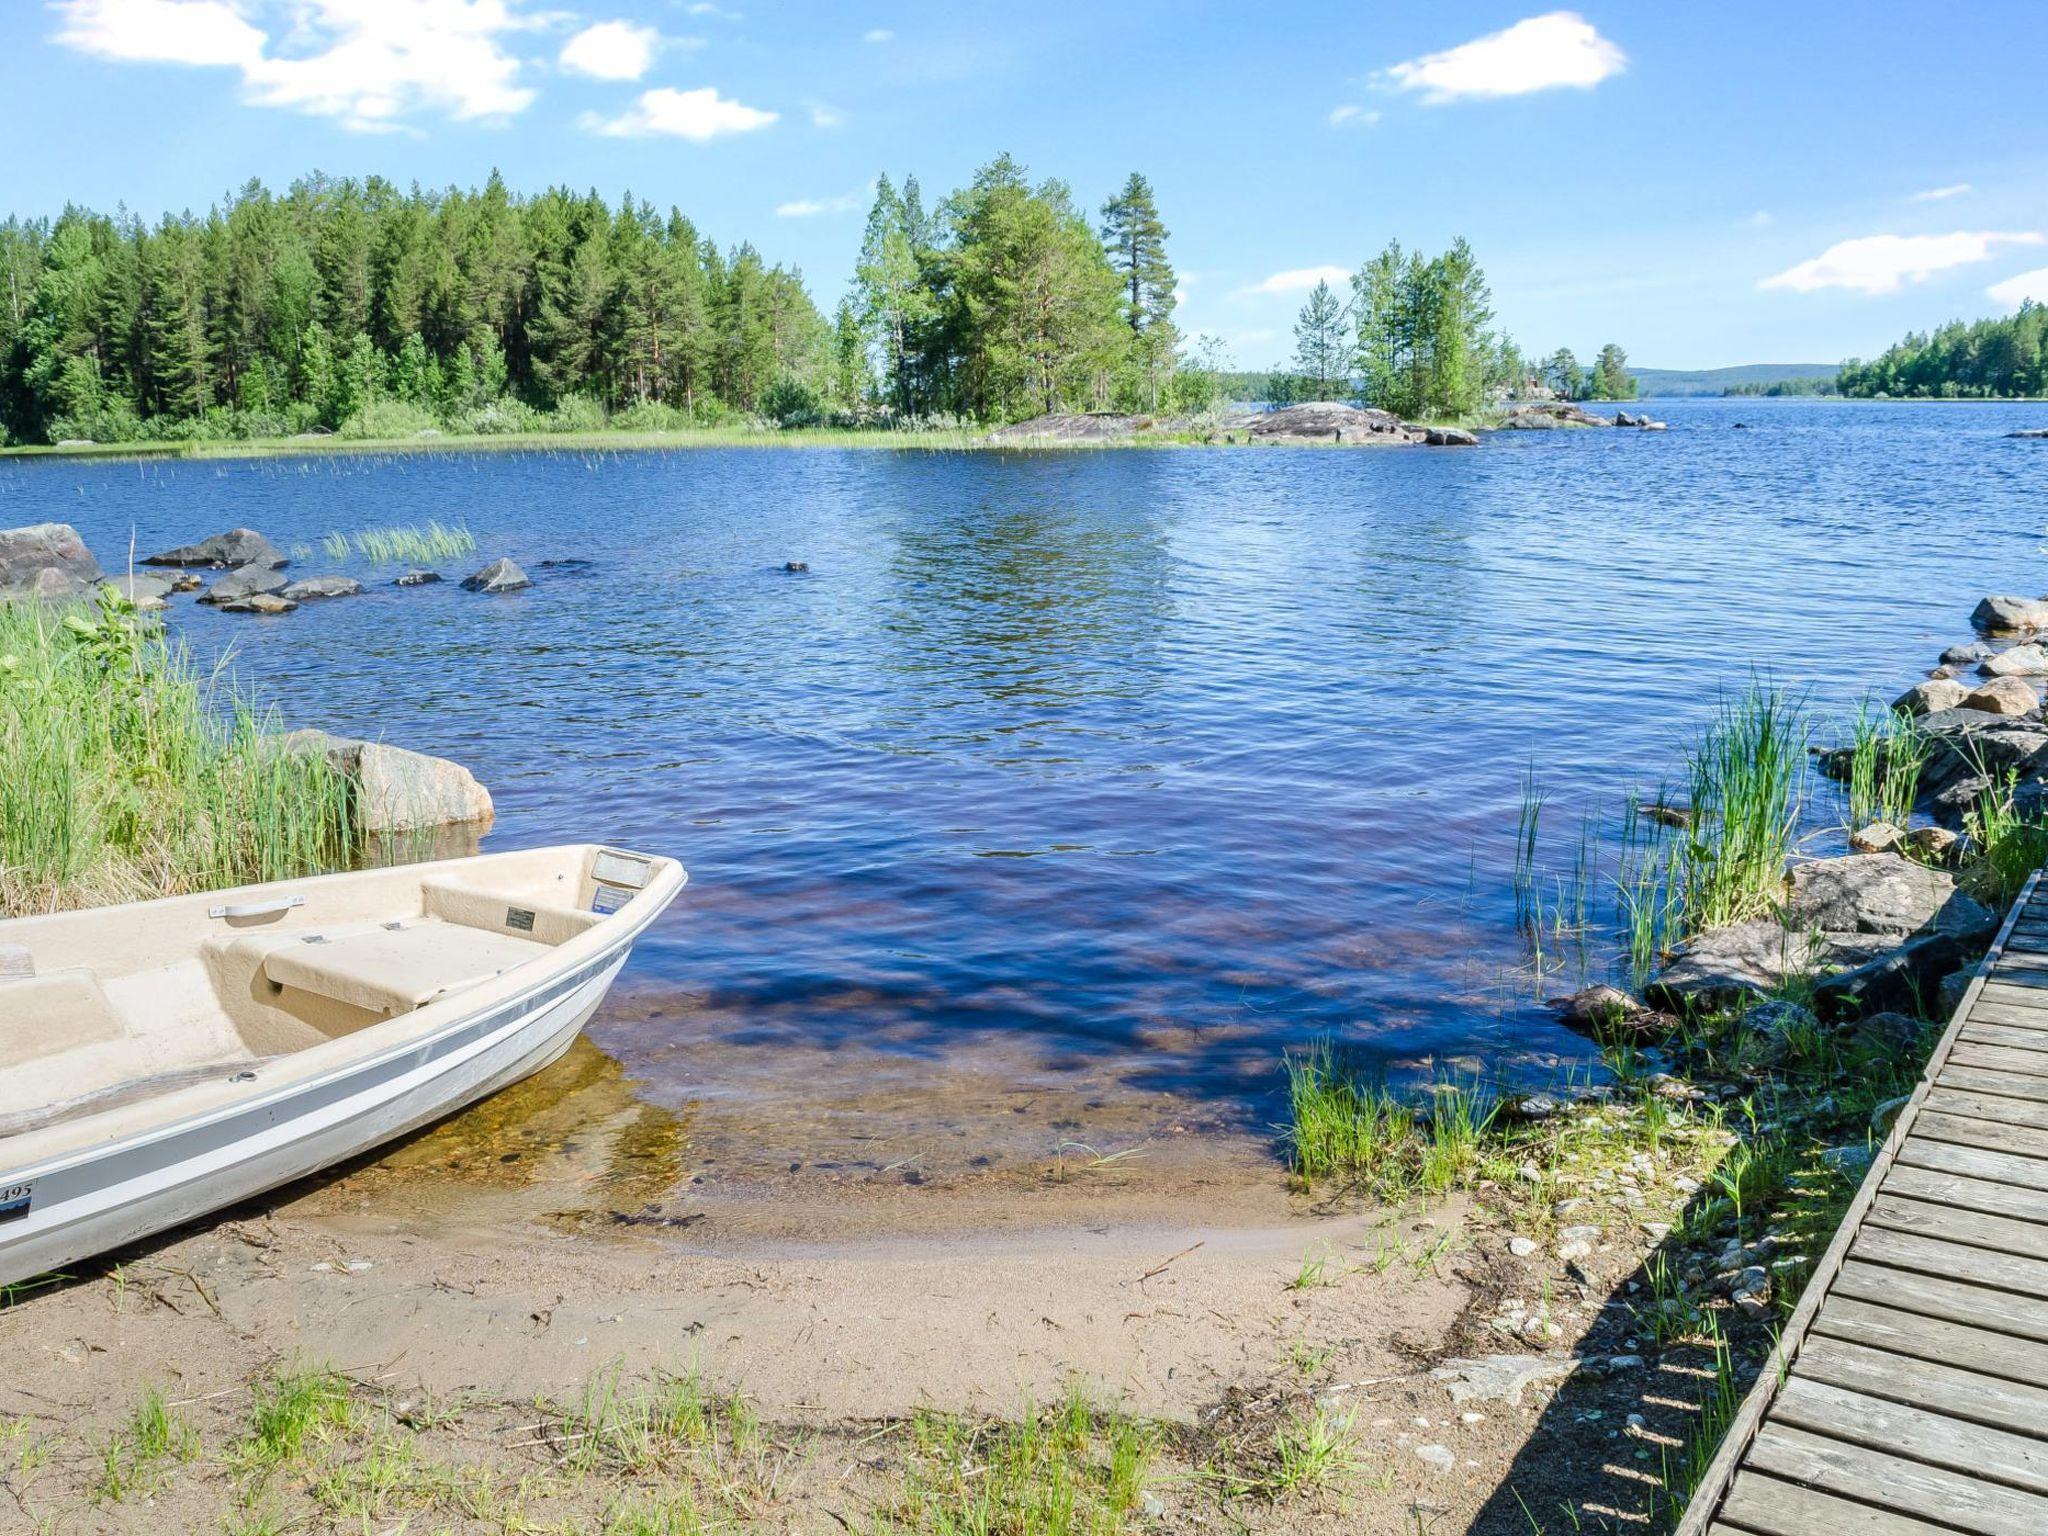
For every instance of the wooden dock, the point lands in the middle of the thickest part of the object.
(1909, 1393)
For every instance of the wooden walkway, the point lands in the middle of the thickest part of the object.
(1909, 1394)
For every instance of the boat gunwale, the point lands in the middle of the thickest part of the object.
(295, 1073)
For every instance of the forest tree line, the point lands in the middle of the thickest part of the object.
(356, 307)
(1983, 359)
(1415, 336)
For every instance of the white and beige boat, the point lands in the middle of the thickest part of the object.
(164, 1059)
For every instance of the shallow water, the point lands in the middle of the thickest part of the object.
(1122, 771)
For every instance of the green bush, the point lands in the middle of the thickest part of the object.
(500, 417)
(389, 418)
(650, 416)
(576, 413)
(790, 402)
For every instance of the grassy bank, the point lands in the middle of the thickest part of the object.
(131, 773)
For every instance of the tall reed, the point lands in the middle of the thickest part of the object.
(1887, 752)
(1744, 774)
(131, 773)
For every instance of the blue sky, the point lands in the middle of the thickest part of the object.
(1705, 184)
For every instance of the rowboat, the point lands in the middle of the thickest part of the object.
(165, 1059)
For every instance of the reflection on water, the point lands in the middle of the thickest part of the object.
(1122, 770)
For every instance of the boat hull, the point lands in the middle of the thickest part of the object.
(121, 1191)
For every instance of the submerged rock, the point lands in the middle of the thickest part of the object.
(258, 602)
(2029, 660)
(417, 579)
(499, 576)
(397, 790)
(245, 581)
(2010, 615)
(1451, 437)
(45, 560)
(2029, 432)
(797, 567)
(1967, 655)
(224, 551)
(1881, 893)
(2011, 696)
(145, 592)
(322, 586)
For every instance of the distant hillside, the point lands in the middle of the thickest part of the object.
(1714, 381)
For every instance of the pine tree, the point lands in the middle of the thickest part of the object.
(1562, 374)
(1135, 237)
(1319, 343)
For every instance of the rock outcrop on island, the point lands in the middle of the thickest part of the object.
(224, 551)
(1331, 421)
(1071, 427)
(1549, 415)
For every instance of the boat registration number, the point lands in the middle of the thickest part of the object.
(15, 1200)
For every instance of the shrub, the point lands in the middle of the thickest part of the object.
(389, 418)
(575, 413)
(789, 402)
(650, 416)
(500, 417)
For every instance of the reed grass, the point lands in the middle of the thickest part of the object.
(1344, 1122)
(1744, 773)
(2010, 845)
(1887, 752)
(410, 543)
(131, 773)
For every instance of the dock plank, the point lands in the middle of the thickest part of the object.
(1966, 1194)
(1985, 1106)
(1932, 1256)
(1946, 1390)
(1989, 1455)
(2017, 1037)
(1976, 1229)
(2004, 1084)
(1968, 1053)
(1976, 1306)
(1909, 1487)
(1992, 1135)
(1974, 1162)
(1762, 1505)
(1933, 1338)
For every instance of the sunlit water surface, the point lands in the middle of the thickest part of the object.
(1136, 768)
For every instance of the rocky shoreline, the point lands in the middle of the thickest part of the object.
(394, 791)
(1328, 422)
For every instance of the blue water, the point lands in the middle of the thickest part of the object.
(1157, 762)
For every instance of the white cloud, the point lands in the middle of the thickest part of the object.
(1940, 194)
(1300, 280)
(368, 63)
(877, 35)
(1351, 112)
(1761, 219)
(825, 115)
(702, 8)
(813, 207)
(1884, 263)
(2015, 291)
(199, 32)
(1540, 54)
(699, 116)
(611, 50)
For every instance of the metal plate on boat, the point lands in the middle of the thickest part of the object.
(15, 1200)
(609, 899)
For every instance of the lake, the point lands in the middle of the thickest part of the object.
(1126, 771)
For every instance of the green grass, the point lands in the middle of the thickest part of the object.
(131, 773)
(1344, 1122)
(1744, 775)
(2009, 845)
(133, 1459)
(290, 1409)
(1067, 1471)
(1887, 752)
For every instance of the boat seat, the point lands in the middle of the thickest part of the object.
(58, 1011)
(393, 970)
(477, 906)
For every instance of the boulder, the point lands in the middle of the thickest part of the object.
(1881, 893)
(397, 790)
(2029, 432)
(1450, 437)
(1889, 1033)
(1548, 414)
(1725, 965)
(1331, 421)
(2010, 696)
(1965, 744)
(224, 551)
(45, 560)
(145, 592)
(417, 579)
(1878, 837)
(1774, 1024)
(1966, 655)
(185, 581)
(1930, 697)
(2029, 660)
(313, 587)
(2010, 615)
(258, 602)
(245, 581)
(796, 567)
(1935, 845)
(499, 576)
(1907, 979)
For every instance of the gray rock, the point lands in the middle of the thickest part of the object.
(1881, 893)
(1905, 979)
(1724, 965)
(1966, 655)
(1852, 1160)
(2029, 432)
(224, 551)
(258, 602)
(322, 586)
(1451, 437)
(1934, 845)
(1888, 1031)
(417, 579)
(145, 592)
(27, 554)
(1500, 1378)
(1071, 427)
(1439, 1456)
(2029, 660)
(1948, 994)
(1930, 697)
(1775, 1023)
(245, 581)
(1331, 421)
(397, 790)
(499, 576)
(2010, 615)
(2014, 697)
(1545, 415)
(1878, 837)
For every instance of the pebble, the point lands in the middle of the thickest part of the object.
(1438, 1456)
(1522, 1247)
(1471, 1418)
